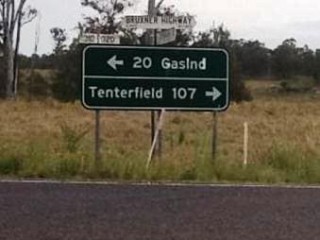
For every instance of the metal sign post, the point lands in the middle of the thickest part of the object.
(152, 12)
(97, 141)
(97, 137)
(214, 136)
(93, 38)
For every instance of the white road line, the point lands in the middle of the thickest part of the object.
(155, 184)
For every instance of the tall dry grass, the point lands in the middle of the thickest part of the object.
(33, 140)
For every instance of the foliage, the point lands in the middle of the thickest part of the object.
(67, 83)
(59, 36)
(72, 136)
(292, 164)
(2, 76)
(106, 21)
(253, 57)
(285, 59)
(298, 84)
(10, 165)
(289, 60)
(220, 37)
(13, 15)
(183, 37)
(35, 61)
(37, 86)
(317, 66)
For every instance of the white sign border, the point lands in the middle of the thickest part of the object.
(198, 109)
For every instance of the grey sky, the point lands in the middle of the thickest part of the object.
(269, 21)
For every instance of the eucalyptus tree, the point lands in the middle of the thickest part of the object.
(106, 19)
(13, 15)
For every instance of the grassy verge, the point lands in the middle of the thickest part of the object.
(53, 140)
(282, 163)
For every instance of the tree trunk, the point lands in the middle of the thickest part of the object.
(15, 58)
(9, 69)
(2, 78)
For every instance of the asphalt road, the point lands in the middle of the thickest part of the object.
(36, 211)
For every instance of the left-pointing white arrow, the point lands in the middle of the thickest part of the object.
(113, 62)
(215, 94)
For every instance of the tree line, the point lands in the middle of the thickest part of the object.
(249, 58)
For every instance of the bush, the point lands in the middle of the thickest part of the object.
(66, 86)
(37, 86)
(293, 164)
(239, 92)
(10, 165)
(72, 136)
(298, 84)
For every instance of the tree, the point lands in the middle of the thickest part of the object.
(307, 61)
(215, 37)
(253, 57)
(67, 84)
(183, 37)
(13, 15)
(220, 37)
(59, 37)
(317, 66)
(107, 20)
(285, 59)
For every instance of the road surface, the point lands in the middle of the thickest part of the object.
(54, 211)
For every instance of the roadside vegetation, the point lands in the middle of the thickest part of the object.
(46, 133)
(49, 139)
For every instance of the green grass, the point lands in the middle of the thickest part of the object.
(48, 139)
(281, 164)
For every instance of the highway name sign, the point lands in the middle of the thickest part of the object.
(152, 78)
(158, 22)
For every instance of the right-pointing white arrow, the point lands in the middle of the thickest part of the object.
(113, 62)
(215, 94)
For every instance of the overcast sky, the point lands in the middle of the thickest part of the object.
(269, 21)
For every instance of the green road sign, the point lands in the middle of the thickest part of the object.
(149, 78)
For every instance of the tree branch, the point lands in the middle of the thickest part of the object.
(12, 17)
(30, 15)
(15, 60)
(159, 4)
(6, 11)
(19, 11)
(1, 10)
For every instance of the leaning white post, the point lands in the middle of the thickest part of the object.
(159, 127)
(245, 143)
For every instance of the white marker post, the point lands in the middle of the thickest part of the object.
(245, 143)
(157, 132)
